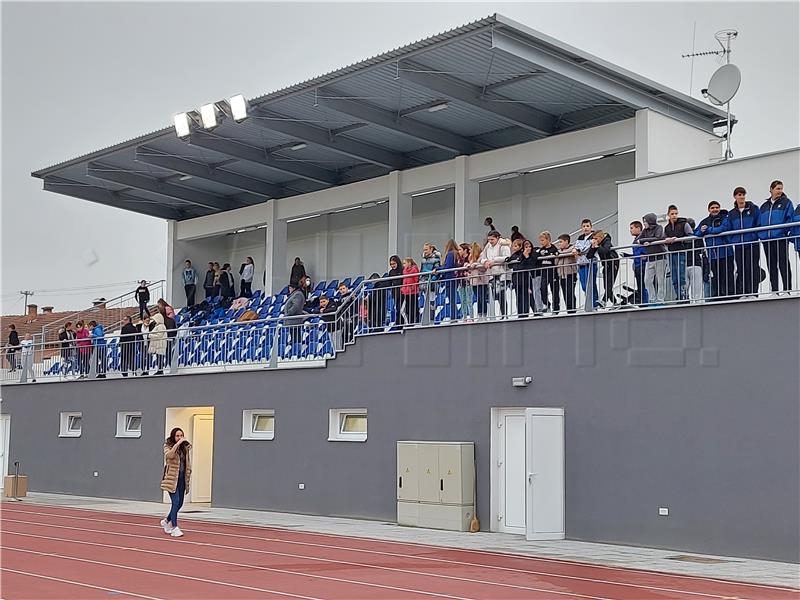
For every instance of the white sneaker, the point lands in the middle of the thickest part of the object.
(166, 525)
(176, 532)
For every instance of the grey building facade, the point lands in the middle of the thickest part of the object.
(696, 408)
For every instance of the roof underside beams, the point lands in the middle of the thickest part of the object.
(582, 73)
(260, 156)
(168, 190)
(116, 199)
(527, 117)
(210, 172)
(323, 137)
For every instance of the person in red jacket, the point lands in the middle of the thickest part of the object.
(410, 291)
(84, 344)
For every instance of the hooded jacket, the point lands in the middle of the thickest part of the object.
(737, 220)
(157, 337)
(603, 250)
(717, 245)
(652, 232)
(775, 213)
(98, 336)
(172, 467)
(189, 276)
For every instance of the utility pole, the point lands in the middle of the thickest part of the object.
(26, 293)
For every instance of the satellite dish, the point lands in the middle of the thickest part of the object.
(724, 84)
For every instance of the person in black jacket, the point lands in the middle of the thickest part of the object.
(546, 256)
(208, 281)
(143, 298)
(13, 346)
(172, 333)
(522, 262)
(298, 272)
(677, 227)
(129, 339)
(226, 284)
(601, 246)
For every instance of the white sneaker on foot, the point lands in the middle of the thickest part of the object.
(166, 525)
(176, 532)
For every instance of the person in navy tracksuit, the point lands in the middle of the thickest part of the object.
(776, 210)
(743, 215)
(720, 253)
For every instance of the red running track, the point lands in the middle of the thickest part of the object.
(61, 553)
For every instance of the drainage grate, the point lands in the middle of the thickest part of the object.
(704, 560)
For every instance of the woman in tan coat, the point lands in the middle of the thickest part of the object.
(177, 473)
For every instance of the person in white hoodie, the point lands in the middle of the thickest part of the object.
(493, 258)
(246, 285)
(27, 359)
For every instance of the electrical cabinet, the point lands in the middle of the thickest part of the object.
(435, 484)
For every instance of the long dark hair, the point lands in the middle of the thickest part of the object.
(170, 441)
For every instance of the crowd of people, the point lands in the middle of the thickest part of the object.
(717, 258)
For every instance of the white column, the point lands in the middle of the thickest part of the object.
(321, 266)
(642, 161)
(467, 208)
(169, 276)
(277, 274)
(399, 219)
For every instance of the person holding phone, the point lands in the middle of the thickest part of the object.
(175, 481)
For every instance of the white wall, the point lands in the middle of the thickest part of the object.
(691, 190)
(557, 199)
(220, 248)
(432, 220)
(355, 243)
(664, 144)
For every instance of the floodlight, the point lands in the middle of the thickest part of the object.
(208, 115)
(438, 107)
(299, 146)
(182, 124)
(238, 107)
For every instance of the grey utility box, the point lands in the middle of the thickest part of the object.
(435, 483)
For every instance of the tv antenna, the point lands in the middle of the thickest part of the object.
(725, 81)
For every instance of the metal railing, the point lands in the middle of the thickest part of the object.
(688, 270)
(110, 313)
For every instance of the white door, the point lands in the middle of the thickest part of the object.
(202, 457)
(511, 471)
(5, 432)
(545, 477)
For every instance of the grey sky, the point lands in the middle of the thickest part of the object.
(81, 76)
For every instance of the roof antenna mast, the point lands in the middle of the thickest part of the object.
(724, 82)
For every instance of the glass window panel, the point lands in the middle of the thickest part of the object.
(354, 424)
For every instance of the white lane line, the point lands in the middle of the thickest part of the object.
(165, 574)
(402, 556)
(86, 585)
(413, 544)
(379, 567)
(175, 555)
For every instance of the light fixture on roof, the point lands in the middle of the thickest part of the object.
(184, 178)
(208, 115)
(506, 176)
(239, 107)
(299, 146)
(183, 124)
(438, 107)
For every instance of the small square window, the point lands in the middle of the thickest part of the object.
(70, 424)
(129, 424)
(347, 425)
(258, 424)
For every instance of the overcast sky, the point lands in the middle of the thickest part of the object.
(81, 76)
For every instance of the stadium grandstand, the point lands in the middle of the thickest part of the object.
(345, 295)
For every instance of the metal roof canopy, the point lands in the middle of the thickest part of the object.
(502, 84)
